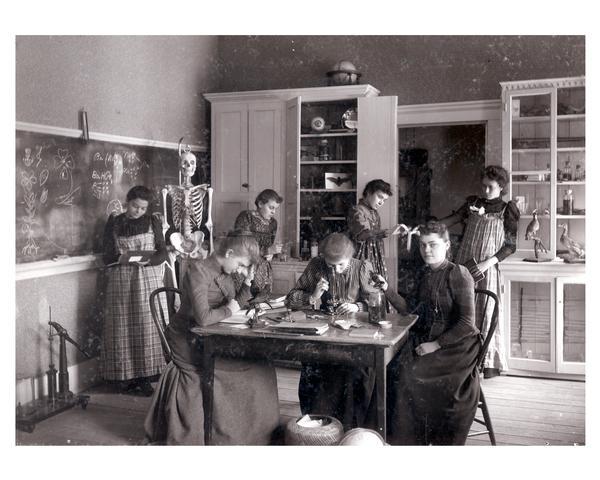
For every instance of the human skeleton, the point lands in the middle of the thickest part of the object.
(187, 205)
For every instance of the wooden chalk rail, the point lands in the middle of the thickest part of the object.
(47, 268)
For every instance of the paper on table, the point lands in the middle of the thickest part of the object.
(239, 317)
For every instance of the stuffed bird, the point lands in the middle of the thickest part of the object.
(531, 233)
(575, 248)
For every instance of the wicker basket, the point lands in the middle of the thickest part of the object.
(329, 433)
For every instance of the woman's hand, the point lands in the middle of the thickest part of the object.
(379, 281)
(268, 257)
(248, 273)
(427, 347)
(486, 264)
(346, 308)
(321, 287)
(233, 305)
(275, 248)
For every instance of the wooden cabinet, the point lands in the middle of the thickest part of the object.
(543, 148)
(544, 315)
(246, 154)
(326, 171)
(258, 139)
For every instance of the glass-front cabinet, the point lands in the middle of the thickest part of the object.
(543, 149)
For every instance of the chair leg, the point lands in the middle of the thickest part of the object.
(486, 417)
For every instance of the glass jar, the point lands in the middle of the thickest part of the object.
(376, 307)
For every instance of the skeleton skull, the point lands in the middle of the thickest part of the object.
(187, 164)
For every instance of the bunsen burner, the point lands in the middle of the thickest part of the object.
(329, 432)
(362, 437)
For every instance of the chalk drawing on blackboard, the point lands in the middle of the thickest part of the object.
(114, 207)
(134, 165)
(101, 184)
(63, 162)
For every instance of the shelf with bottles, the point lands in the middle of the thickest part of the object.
(327, 150)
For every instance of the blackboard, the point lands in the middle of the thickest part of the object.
(66, 189)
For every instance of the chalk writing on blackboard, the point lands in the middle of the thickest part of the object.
(66, 189)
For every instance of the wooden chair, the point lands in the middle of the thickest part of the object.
(488, 296)
(161, 317)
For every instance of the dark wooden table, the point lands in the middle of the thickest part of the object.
(336, 346)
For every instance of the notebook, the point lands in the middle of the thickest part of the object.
(134, 256)
(305, 328)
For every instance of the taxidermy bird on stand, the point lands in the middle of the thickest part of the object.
(576, 251)
(531, 233)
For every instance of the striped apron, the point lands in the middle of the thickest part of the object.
(131, 346)
(483, 237)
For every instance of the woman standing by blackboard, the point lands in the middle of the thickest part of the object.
(131, 350)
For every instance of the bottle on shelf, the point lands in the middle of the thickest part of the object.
(547, 174)
(578, 175)
(305, 251)
(314, 248)
(567, 175)
(324, 150)
(568, 203)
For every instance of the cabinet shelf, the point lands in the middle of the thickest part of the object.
(328, 190)
(573, 182)
(570, 149)
(546, 118)
(328, 162)
(325, 135)
(570, 217)
(332, 219)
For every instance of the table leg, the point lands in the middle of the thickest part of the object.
(208, 376)
(380, 385)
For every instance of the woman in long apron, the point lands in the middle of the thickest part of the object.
(490, 236)
(131, 351)
(364, 225)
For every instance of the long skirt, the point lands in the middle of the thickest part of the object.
(245, 401)
(341, 392)
(433, 398)
(131, 346)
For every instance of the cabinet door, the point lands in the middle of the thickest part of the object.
(230, 172)
(570, 325)
(529, 316)
(265, 155)
(378, 158)
(292, 159)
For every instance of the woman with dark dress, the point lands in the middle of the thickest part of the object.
(261, 222)
(246, 404)
(131, 351)
(490, 236)
(334, 280)
(434, 382)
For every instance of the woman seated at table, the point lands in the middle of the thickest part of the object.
(334, 280)
(433, 378)
(245, 405)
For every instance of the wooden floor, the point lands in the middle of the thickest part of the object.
(524, 411)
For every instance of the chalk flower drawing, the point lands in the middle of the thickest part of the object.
(28, 159)
(63, 162)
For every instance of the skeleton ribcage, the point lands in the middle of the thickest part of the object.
(194, 209)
